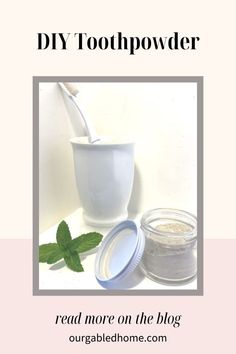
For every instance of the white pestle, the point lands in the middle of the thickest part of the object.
(72, 91)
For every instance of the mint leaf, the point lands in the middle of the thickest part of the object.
(67, 248)
(85, 242)
(72, 261)
(46, 250)
(63, 235)
(55, 256)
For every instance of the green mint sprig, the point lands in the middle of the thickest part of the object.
(67, 248)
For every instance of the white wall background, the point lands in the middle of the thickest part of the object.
(57, 190)
(162, 119)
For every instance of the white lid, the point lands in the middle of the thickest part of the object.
(119, 253)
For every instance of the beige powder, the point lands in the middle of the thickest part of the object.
(174, 228)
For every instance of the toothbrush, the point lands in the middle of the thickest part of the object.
(72, 91)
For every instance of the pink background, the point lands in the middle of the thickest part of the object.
(27, 322)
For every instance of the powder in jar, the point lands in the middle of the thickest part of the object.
(174, 227)
(170, 245)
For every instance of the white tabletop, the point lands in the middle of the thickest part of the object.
(58, 276)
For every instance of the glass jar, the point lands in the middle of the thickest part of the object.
(170, 254)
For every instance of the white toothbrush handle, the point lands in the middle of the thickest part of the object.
(71, 88)
(71, 91)
(92, 135)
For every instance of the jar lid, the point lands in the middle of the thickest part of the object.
(119, 253)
